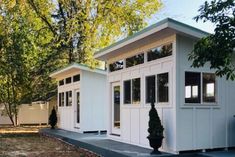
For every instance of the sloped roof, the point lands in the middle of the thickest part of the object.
(157, 27)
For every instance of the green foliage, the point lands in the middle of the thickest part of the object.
(82, 27)
(53, 118)
(155, 127)
(39, 36)
(217, 49)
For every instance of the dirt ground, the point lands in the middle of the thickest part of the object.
(36, 145)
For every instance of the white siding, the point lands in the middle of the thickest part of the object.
(93, 105)
(134, 118)
(202, 126)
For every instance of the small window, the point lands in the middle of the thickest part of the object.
(136, 91)
(208, 87)
(135, 60)
(127, 92)
(116, 66)
(68, 80)
(61, 99)
(76, 78)
(150, 89)
(159, 52)
(162, 87)
(61, 82)
(69, 98)
(192, 87)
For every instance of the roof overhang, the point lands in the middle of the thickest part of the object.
(165, 27)
(73, 69)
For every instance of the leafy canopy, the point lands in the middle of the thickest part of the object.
(218, 48)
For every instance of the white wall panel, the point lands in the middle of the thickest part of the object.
(135, 126)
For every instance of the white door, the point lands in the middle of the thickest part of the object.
(77, 109)
(116, 123)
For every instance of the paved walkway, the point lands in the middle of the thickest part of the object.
(100, 144)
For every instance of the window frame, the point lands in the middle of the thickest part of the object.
(60, 104)
(67, 98)
(202, 103)
(159, 104)
(131, 92)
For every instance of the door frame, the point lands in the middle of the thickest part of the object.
(115, 131)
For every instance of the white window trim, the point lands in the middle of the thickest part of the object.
(159, 104)
(202, 103)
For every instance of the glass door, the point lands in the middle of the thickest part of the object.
(116, 123)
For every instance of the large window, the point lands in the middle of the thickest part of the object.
(192, 87)
(116, 66)
(132, 91)
(61, 99)
(150, 89)
(208, 87)
(193, 83)
(159, 52)
(69, 98)
(135, 60)
(162, 87)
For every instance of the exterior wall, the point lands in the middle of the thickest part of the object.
(92, 87)
(134, 118)
(93, 105)
(202, 126)
(33, 114)
(66, 116)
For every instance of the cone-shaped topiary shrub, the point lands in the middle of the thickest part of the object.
(155, 127)
(53, 118)
(155, 130)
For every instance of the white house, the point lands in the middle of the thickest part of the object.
(81, 98)
(196, 108)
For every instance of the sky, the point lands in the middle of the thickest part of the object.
(183, 11)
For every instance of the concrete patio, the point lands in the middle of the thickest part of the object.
(103, 146)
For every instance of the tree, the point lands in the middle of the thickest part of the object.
(81, 27)
(23, 52)
(218, 48)
(39, 36)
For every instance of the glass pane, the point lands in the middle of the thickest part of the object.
(116, 66)
(135, 60)
(76, 78)
(136, 91)
(69, 98)
(78, 107)
(61, 82)
(192, 81)
(208, 87)
(116, 108)
(127, 92)
(68, 80)
(59, 99)
(162, 87)
(188, 92)
(150, 89)
(62, 99)
(159, 52)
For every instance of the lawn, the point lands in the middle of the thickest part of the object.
(31, 144)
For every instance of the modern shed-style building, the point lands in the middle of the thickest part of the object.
(81, 98)
(196, 108)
